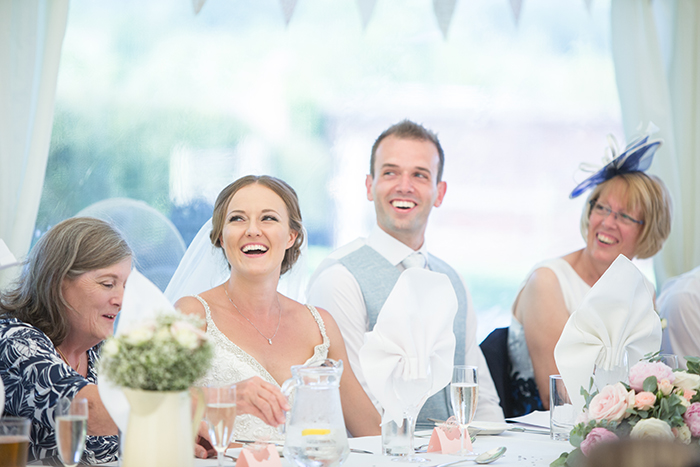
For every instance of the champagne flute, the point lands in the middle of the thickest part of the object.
(464, 392)
(71, 429)
(220, 416)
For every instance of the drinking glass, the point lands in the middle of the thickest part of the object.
(398, 439)
(607, 372)
(71, 429)
(669, 359)
(14, 441)
(464, 392)
(562, 415)
(220, 415)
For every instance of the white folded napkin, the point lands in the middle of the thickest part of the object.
(7, 259)
(409, 354)
(616, 315)
(142, 301)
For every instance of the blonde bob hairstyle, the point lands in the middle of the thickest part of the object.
(646, 193)
(281, 189)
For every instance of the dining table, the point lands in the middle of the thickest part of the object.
(523, 449)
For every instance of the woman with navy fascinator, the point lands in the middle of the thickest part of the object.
(627, 212)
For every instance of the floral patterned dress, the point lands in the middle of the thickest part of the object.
(35, 378)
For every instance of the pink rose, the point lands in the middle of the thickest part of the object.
(611, 403)
(692, 418)
(642, 370)
(644, 400)
(689, 393)
(595, 437)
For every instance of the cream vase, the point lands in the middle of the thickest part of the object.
(161, 431)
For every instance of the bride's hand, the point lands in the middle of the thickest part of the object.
(257, 397)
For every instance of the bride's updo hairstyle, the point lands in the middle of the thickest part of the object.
(283, 190)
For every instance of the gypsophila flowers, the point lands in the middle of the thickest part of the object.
(166, 354)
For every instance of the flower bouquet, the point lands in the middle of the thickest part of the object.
(155, 363)
(168, 353)
(658, 403)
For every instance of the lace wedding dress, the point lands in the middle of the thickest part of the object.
(232, 364)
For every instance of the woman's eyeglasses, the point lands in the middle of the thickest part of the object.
(605, 211)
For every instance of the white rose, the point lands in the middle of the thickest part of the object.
(683, 434)
(185, 334)
(686, 380)
(111, 348)
(140, 334)
(652, 428)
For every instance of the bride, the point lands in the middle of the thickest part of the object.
(258, 333)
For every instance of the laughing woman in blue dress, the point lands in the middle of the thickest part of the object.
(52, 323)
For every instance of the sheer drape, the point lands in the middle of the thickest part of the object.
(31, 36)
(656, 49)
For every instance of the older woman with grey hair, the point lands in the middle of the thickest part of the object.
(52, 323)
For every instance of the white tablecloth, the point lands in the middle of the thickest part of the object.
(524, 449)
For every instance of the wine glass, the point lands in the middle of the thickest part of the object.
(220, 415)
(464, 392)
(610, 371)
(71, 429)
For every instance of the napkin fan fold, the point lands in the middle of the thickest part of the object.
(616, 315)
(409, 354)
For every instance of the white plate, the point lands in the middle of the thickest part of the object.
(489, 428)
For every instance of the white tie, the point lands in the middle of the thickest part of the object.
(414, 260)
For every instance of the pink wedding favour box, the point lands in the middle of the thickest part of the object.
(254, 456)
(447, 439)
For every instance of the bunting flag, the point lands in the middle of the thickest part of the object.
(197, 5)
(288, 9)
(444, 9)
(516, 5)
(366, 8)
(588, 3)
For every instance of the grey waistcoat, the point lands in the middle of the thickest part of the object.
(377, 277)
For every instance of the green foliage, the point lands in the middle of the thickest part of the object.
(693, 364)
(650, 384)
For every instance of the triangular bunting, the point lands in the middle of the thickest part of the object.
(288, 9)
(197, 5)
(366, 8)
(588, 3)
(444, 9)
(516, 5)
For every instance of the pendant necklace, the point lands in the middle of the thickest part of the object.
(279, 319)
(77, 368)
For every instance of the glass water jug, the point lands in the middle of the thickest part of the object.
(315, 428)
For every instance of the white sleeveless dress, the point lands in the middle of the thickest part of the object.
(232, 364)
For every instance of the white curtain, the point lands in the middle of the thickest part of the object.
(656, 49)
(31, 36)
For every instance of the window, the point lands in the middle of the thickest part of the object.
(157, 104)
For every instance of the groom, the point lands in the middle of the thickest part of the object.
(404, 183)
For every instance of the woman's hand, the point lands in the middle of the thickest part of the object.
(202, 447)
(257, 397)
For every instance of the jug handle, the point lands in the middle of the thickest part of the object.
(198, 397)
(287, 388)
